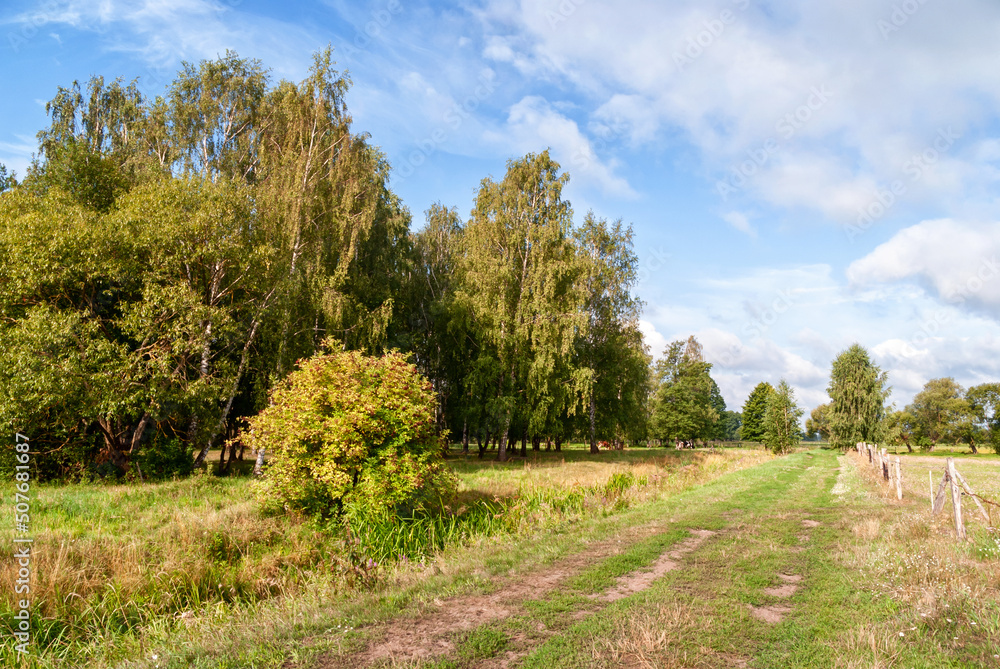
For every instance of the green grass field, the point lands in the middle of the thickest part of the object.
(625, 558)
(119, 566)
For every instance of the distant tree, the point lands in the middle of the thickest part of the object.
(899, 427)
(818, 423)
(7, 180)
(938, 412)
(753, 412)
(781, 419)
(729, 425)
(858, 389)
(682, 403)
(984, 404)
(718, 404)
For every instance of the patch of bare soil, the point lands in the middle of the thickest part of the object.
(629, 584)
(790, 578)
(769, 614)
(810, 523)
(427, 635)
(786, 590)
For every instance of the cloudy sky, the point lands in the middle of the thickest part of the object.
(800, 176)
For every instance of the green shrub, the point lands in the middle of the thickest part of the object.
(165, 458)
(351, 433)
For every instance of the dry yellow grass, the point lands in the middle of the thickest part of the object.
(915, 558)
(659, 468)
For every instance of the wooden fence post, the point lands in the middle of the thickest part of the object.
(884, 459)
(930, 487)
(899, 479)
(968, 491)
(938, 502)
(956, 499)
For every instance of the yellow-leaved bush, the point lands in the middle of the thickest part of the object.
(355, 434)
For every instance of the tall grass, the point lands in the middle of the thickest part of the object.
(387, 538)
(112, 563)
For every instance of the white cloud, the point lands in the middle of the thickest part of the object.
(163, 32)
(740, 222)
(957, 260)
(533, 125)
(652, 338)
(844, 104)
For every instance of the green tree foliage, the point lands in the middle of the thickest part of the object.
(215, 234)
(984, 407)
(436, 332)
(729, 425)
(818, 423)
(941, 413)
(7, 179)
(610, 351)
(352, 433)
(858, 389)
(166, 261)
(102, 315)
(92, 149)
(899, 428)
(520, 290)
(682, 402)
(718, 404)
(753, 412)
(781, 419)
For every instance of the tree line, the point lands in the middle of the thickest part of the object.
(943, 412)
(165, 262)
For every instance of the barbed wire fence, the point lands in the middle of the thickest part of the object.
(891, 470)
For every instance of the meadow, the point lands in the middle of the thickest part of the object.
(643, 557)
(120, 569)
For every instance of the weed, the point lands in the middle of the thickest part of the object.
(481, 643)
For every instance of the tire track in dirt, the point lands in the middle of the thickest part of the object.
(428, 635)
(639, 580)
(625, 586)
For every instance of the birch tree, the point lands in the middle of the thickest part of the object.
(781, 420)
(518, 266)
(612, 357)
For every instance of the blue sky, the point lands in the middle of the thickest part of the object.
(800, 176)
